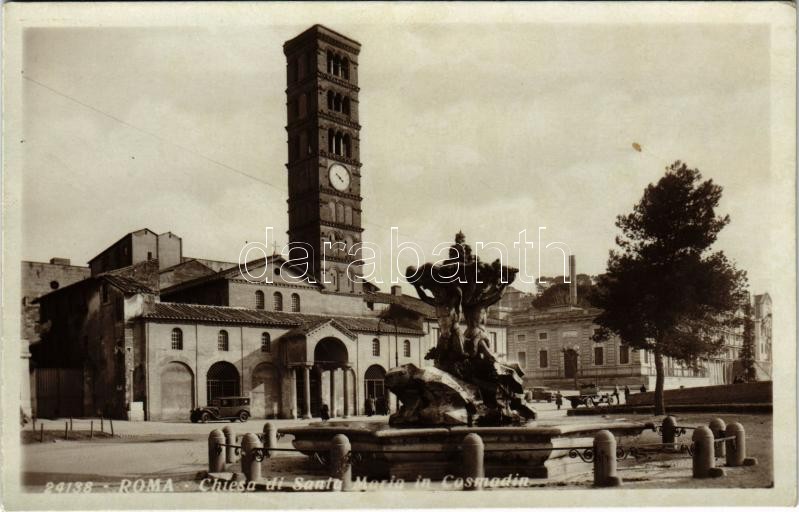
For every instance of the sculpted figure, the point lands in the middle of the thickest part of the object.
(461, 288)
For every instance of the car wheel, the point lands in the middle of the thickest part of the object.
(205, 417)
(244, 416)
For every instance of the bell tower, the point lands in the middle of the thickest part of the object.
(324, 167)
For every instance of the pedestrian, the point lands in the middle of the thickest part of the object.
(558, 399)
(626, 393)
(370, 406)
(643, 388)
(324, 412)
(616, 392)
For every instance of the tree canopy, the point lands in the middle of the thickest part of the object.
(664, 290)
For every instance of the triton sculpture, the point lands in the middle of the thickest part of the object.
(466, 385)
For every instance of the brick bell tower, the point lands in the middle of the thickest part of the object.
(324, 168)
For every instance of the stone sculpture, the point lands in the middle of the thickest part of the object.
(467, 385)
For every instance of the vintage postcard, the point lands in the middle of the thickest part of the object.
(319, 255)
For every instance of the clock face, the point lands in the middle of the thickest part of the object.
(339, 177)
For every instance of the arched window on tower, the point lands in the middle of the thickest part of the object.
(331, 136)
(338, 144)
(347, 151)
(295, 303)
(406, 348)
(348, 215)
(336, 65)
(266, 342)
(330, 97)
(277, 301)
(345, 68)
(329, 62)
(259, 299)
(337, 103)
(345, 106)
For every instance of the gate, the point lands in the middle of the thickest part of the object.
(59, 392)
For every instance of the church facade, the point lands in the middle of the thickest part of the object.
(150, 334)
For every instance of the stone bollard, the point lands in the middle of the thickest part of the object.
(340, 465)
(230, 439)
(216, 456)
(704, 458)
(270, 437)
(473, 467)
(718, 427)
(736, 448)
(605, 460)
(668, 430)
(250, 464)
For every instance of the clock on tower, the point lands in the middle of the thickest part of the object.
(324, 168)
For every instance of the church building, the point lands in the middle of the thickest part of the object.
(150, 334)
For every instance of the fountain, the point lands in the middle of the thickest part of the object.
(466, 390)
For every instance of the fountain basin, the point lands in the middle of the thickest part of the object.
(383, 452)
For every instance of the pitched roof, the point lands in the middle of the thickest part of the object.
(242, 316)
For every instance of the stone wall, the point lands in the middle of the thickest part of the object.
(748, 393)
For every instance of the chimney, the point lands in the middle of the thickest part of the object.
(396, 290)
(572, 280)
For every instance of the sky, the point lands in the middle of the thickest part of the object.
(465, 127)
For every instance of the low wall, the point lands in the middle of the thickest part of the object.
(746, 393)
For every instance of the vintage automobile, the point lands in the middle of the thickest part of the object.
(223, 408)
(590, 397)
(540, 393)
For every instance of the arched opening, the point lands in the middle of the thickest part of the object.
(259, 299)
(345, 106)
(406, 348)
(345, 68)
(336, 65)
(337, 103)
(347, 151)
(277, 301)
(222, 380)
(329, 62)
(177, 391)
(295, 303)
(330, 100)
(330, 354)
(265, 392)
(330, 141)
(375, 387)
(177, 339)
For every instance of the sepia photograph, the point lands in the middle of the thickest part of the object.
(395, 253)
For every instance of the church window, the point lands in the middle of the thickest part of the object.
(345, 106)
(259, 299)
(406, 348)
(295, 303)
(177, 339)
(337, 103)
(266, 342)
(330, 62)
(330, 100)
(336, 65)
(222, 341)
(277, 301)
(330, 141)
(375, 347)
(337, 148)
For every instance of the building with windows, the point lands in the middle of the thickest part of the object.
(147, 329)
